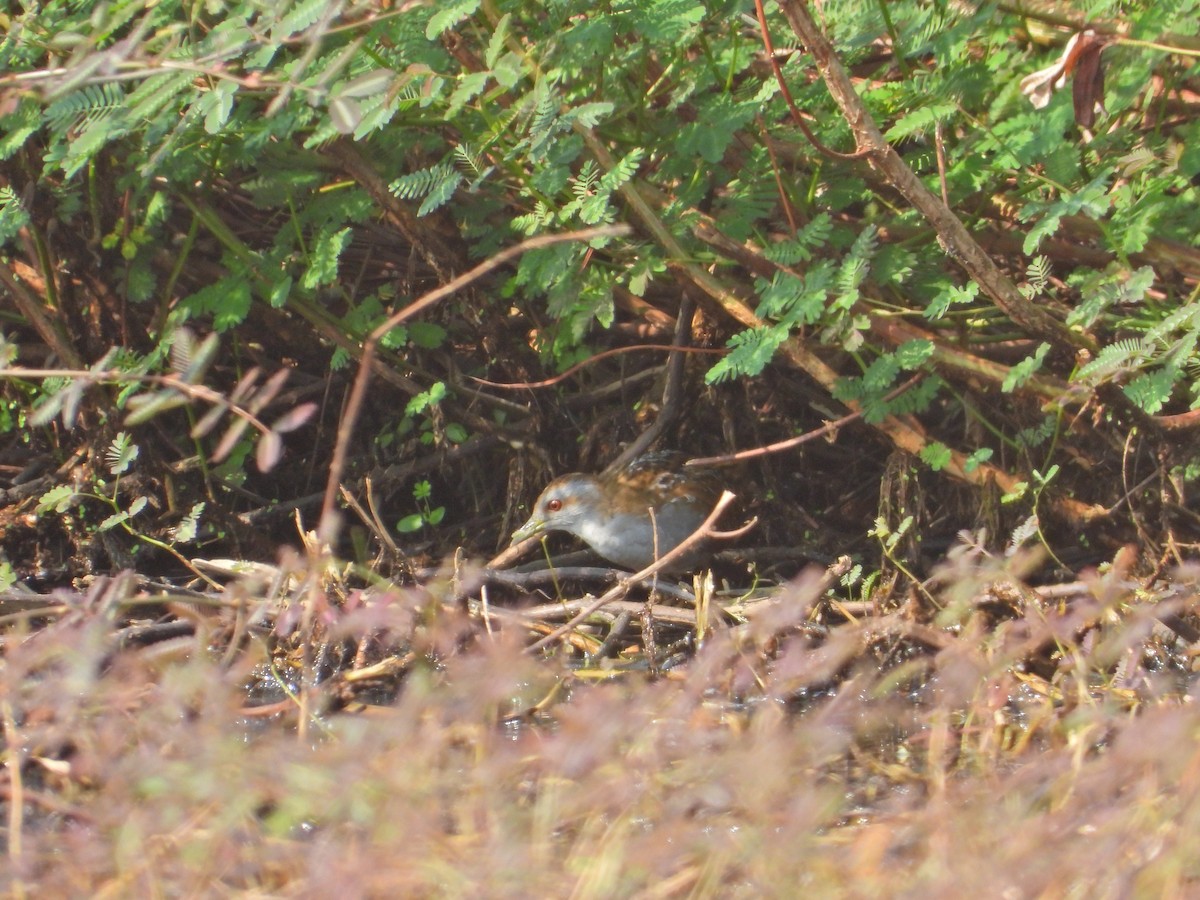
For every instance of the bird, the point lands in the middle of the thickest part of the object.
(611, 512)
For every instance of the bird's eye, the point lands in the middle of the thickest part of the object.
(554, 505)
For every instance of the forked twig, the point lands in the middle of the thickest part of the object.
(704, 532)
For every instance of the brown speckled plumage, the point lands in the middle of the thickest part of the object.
(611, 513)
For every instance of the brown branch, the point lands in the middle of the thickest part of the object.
(787, 94)
(789, 443)
(953, 236)
(672, 390)
(905, 432)
(33, 309)
(897, 331)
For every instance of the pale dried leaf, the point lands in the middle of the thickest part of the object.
(208, 421)
(236, 429)
(270, 449)
(292, 420)
(269, 391)
(245, 385)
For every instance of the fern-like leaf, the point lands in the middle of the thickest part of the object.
(89, 103)
(121, 453)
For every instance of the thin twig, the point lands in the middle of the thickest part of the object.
(779, 446)
(328, 524)
(704, 532)
(787, 93)
(672, 390)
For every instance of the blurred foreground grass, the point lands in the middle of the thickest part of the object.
(1038, 746)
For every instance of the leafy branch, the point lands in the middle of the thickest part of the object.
(245, 402)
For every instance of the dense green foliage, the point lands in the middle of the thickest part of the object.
(223, 164)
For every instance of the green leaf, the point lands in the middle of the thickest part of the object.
(470, 86)
(59, 499)
(951, 296)
(714, 130)
(440, 194)
(426, 399)
(666, 21)
(279, 292)
(216, 105)
(912, 354)
(18, 126)
(976, 459)
(801, 247)
(323, 260)
(1020, 489)
(1110, 290)
(587, 115)
(227, 301)
(1150, 391)
(300, 17)
(497, 42)
(185, 532)
(881, 374)
(1092, 200)
(410, 523)
(449, 15)
(1024, 370)
(794, 300)
(13, 217)
(427, 335)
(750, 352)
(120, 454)
(936, 455)
(920, 120)
(117, 518)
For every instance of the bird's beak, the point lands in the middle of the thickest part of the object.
(532, 528)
